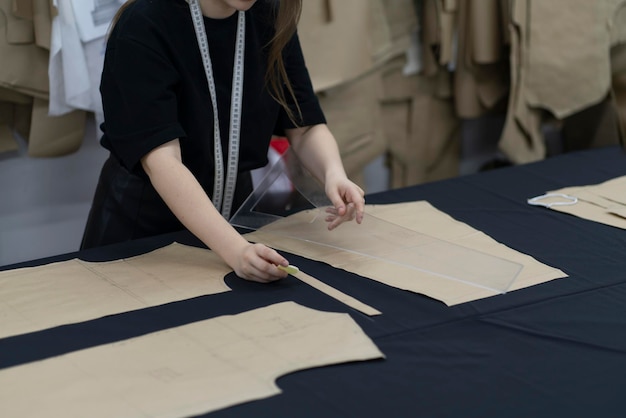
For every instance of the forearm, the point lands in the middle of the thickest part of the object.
(317, 149)
(188, 201)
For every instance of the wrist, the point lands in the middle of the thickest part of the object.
(334, 174)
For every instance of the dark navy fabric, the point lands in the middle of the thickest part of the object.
(553, 350)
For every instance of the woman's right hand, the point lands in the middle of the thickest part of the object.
(189, 202)
(258, 263)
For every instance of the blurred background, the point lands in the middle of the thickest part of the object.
(414, 90)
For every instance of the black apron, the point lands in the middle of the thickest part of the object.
(126, 207)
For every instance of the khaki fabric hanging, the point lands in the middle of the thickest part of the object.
(7, 142)
(422, 130)
(25, 32)
(418, 114)
(338, 42)
(481, 70)
(561, 65)
(24, 64)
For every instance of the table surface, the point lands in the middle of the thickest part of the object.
(553, 350)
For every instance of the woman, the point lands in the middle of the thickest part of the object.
(179, 74)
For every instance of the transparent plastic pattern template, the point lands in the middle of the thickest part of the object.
(374, 238)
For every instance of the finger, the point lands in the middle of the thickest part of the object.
(338, 202)
(271, 256)
(255, 267)
(266, 262)
(335, 221)
(358, 201)
(265, 273)
(360, 210)
(331, 214)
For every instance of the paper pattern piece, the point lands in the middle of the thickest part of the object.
(604, 203)
(336, 294)
(187, 370)
(36, 298)
(394, 244)
(423, 218)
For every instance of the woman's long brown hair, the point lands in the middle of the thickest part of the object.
(287, 17)
(286, 23)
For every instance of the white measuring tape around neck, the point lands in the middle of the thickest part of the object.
(223, 188)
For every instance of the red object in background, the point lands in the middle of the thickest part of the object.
(280, 145)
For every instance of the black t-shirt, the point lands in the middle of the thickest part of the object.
(154, 87)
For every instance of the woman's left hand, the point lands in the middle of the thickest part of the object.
(347, 199)
(323, 160)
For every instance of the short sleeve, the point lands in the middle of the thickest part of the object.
(300, 80)
(138, 95)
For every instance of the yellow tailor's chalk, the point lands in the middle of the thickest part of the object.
(290, 269)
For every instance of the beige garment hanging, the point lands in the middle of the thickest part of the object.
(353, 115)
(43, 12)
(7, 142)
(24, 64)
(422, 128)
(399, 19)
(521, 140)
(469, 40)
(481, 73)
(619, 86)
(40, 12)
(338, 41)
(53, 136)
(568, 54)
(418, 115)
(603, 124)
(24, 48)
(560, 63)
(433, 36)
(618, 69)
(334, 37)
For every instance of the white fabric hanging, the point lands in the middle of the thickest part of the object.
(77, 57)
